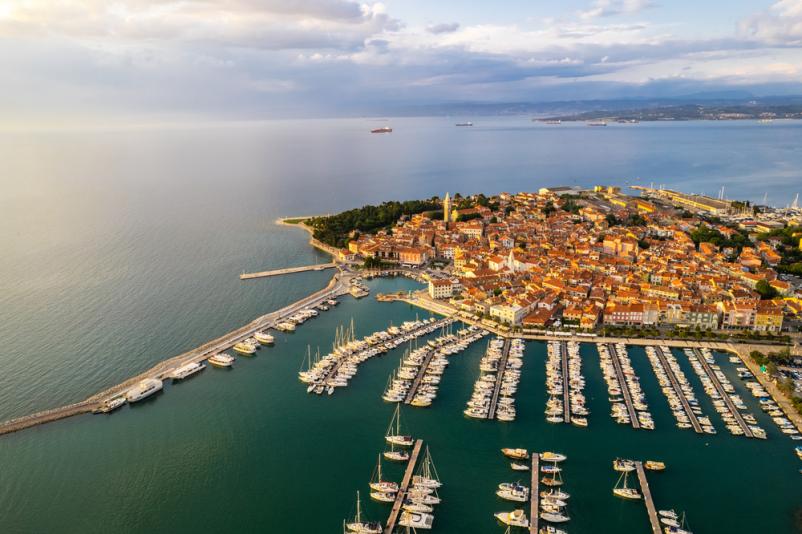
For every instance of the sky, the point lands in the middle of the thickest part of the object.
(67, 60)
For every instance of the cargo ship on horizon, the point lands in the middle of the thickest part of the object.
(383, 129)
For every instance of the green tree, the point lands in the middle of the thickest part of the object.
(767, 292)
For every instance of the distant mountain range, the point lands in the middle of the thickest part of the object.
(725, 105)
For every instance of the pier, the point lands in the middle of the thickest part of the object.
(534, 495)
(395, 511)
(502, 368)
(724, 395)
(647, 498)
(338, 286)
(678, 389)
(421, 372)
(288, 270)
(633, 416)
(566, 381)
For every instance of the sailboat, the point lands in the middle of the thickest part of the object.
(427, 474)
(621, 489)
(393, 434)
(362, 527)
(383, 491)
(396, 454)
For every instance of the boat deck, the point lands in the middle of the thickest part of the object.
(647, 498)
(678, 390)
(633, 416)
(502, 368)
(395, 511)
(724, 396)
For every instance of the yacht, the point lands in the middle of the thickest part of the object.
(144, 389)
(244, 348)
(363, 527)
(109, 405)
(416, 520)
(393, 434)
(221, 360)
(516, 454)
(653, 465)
(264, 338)
(554, 517)
(552, 457)
(621, 489)
(187, 370)
(516, 518)
(513, 492)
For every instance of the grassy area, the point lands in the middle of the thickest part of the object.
(298, 220)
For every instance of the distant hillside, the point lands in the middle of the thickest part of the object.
(749, 111)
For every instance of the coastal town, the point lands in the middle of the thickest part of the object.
(594, 259)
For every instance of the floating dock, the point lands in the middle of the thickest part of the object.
(633, 416)
(395, 511)
(288, 270)
(724, 395)
(678, 389)
(647, 498)
(502, 368)
(566, 382)
(534, 495)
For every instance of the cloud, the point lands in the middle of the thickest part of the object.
(445, 27)
(269, 24)
(780, 24)
(609, 8)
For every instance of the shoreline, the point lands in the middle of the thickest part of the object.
(282, 221)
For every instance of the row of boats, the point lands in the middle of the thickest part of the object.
(421, 369)
(768, 405)
(676, 396)
(711, 380)
(150, 386)
(341, 364)
(552, 501)
(298, 318)
(566, 402)
(500, 373)
(625, 393)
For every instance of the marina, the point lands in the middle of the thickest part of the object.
(720, 394)
(670, 371)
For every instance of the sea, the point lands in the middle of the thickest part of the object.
(122, 247)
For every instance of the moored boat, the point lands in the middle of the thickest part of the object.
(221, 360)
(144, 389)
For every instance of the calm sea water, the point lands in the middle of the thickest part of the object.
(123, 248)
